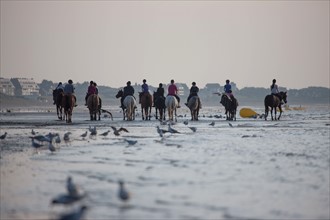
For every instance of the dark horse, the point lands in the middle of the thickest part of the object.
(68, 101)
(159, 103)
(194, 105)
(58, 96)
(274, 101)
(230, 104)
(146, 105)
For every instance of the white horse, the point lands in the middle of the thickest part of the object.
(129, 103)
(171, 104)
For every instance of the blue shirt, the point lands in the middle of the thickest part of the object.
(227, 88)
(145, 88)
(68, 89)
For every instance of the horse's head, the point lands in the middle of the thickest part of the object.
(120, 93)
(284, 96)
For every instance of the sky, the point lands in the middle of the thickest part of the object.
(111, 42)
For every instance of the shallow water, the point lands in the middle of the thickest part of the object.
(254, 169)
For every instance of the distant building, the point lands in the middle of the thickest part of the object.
(7, 87)
(213, 87)
(25, 87)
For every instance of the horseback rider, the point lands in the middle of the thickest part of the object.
(128, 90)
(274, 90)
(91, 90)
(193, 91)
(145, 89)
(59, 88)
(173, 90)
(69, 90)
(159, 93)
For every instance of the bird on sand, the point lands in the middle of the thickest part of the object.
(104, 134)
(172, 130)
(161, 132)
(57, 139)
(194, 129)
(130, 142)
(93, 131)
(75, 215)
(66, 136)
(230, 124)
(71, 187)
(212, 123)
(3, 136)
(84, 135)
(123, 194)
(116, 131)
(40, 138)
(51, 147)
(33, 132)
(66, 199)
(36, 145)
(185, 122)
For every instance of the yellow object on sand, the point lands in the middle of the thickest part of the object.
(247, 113)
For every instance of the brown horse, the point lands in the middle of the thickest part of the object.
(58, 96)
(93, 106)
(159, 103)
(146, 105)
(68, 101)
(194, 104)
(230, 104)
(274, 101)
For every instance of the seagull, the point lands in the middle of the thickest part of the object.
(66, 137)
(58, 139)
(194, 129)
(123, 194)
(185, 122)
(130, 142)
(40, 138)
(3, 136)
(160, 131)
(230, 124)
(93, 131)
(116, 132)
(104, 134)
(75, 215)
(33, 132)
(84, 135)
(172, 130)
(36, 145)
(71, 187)
(212, 123)
(66, 199)
(51, 147)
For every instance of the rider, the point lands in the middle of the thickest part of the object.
(145, 89)
(69, 90)
(193, 92)
(91, 90)
(57, 90)
(173, 90)
(128, 90)
(274, 89)
(159, 92)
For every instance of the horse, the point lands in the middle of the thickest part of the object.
(68, 101)
(128, 107)
(58, 96)
(146, 105)
(159, 103)
(194, 106)
(93, 105)
(230, 104)
(273, 102)
(171, 104)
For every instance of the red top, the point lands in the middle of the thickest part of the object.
(172, 89)
(91, 90)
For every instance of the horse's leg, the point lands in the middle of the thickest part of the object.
(271, 112)
(175, 115)
(280, 108)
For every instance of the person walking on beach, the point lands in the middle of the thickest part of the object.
(69, 90)
(173, 90)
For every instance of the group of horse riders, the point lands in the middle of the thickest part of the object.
(68, 89)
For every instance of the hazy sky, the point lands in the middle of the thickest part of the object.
(111, 42)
